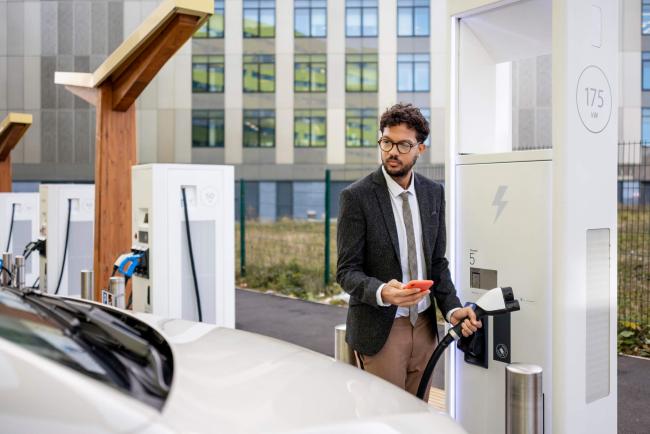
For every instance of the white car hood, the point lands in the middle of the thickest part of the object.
(231, 381)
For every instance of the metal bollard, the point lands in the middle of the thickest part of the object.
(524, 400)
(86, 284)
(7, 261)
(19, 272)
(342, 351)
(116, 286)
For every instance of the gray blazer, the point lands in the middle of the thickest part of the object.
(368, 255)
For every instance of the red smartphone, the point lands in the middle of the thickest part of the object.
(423, 285)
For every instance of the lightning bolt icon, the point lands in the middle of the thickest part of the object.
(499, 202)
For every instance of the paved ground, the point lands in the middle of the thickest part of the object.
(311, 325)
(633, 395)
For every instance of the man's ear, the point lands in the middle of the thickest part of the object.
(422, 148)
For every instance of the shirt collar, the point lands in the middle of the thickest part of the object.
(394, 188)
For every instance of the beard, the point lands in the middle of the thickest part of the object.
(401, 171)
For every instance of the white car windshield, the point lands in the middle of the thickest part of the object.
(107, 346)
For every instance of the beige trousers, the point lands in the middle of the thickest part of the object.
(405, 354)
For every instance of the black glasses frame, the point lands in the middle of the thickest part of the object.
(403, 147)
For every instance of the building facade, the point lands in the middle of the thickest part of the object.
(281, 89)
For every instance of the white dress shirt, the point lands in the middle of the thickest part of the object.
(394, 190)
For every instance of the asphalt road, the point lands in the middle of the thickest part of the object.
(311, 325)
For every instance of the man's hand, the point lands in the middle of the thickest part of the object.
(395, 293)
(470, 323)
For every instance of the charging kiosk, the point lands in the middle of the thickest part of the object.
(531, 203)
(18, 227)
(67, 224)
(164, 283)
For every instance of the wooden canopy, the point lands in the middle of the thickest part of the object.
(12, 129)
(113, 89)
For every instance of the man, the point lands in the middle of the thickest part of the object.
(391, 229)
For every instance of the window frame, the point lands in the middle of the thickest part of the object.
(310, 114)
(310, 17)
(260, 61)
(363, 63)
(259, 8)
(426, 112)
(645, 6)
(413, 7)
(311, 63)
(362, 115)
(219, 10)
(362, 13)
(259, 115)
(209, 115)
(645, 115)
(208, 63)
(645, 61)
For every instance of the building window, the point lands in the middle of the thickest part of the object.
(259, 128)
(207, 74)
(259, 73)
(310, 18)
(361, 18)
(645, 126)
(361, 129)
(214, 26)
(310, 73)
(645, 17)
(412, 72)
(207, 129)
(310, 129)
(361, 73)
(259, 18)
(412, 17)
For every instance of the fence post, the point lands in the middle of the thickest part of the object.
(326, 276)
(242, 227)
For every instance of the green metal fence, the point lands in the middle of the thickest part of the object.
(634, 248)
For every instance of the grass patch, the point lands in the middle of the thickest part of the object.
(634, 271)
(288, 257)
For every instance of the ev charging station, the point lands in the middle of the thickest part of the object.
(19, 221)
(170, 202)
(67, 224)
(531, 194)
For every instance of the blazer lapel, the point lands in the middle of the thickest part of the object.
(426, 214)
(383, 198)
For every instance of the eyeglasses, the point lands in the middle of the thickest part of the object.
(403, 147)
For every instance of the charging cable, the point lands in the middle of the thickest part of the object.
(65, 248)
(32, 246)
(11, 225)
(496, 301)
(189, 244)
(2, 267)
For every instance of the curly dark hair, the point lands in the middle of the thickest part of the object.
(406, 114)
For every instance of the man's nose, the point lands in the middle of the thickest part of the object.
(393, 151)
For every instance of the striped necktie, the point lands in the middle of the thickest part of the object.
(412, 252)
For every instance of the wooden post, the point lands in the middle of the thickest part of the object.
(113, 89)
(12, 129)
(116, 153)
(5, 175)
